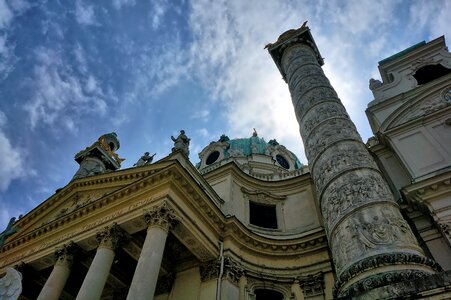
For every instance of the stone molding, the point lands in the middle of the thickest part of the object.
(379, 280)
(383, 260)
(111, 237)
(161, 216)
(65, 254)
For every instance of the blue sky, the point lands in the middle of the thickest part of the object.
(71, 71)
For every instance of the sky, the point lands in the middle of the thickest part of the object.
(71, 71)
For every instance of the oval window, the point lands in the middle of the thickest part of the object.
(282, 161)
(212, 157)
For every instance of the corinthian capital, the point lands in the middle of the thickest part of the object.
(65, 254)
(162, 216)
(110, 237)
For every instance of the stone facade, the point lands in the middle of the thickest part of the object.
(249, 221)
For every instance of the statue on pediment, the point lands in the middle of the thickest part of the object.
(146, 159)
(181, 143)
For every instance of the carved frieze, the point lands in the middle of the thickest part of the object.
(351, 191)
(335, 160)
(303, 100)
(324, 111)
(161, 215)
(329, 132)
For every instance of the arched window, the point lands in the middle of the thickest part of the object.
(264, 294)
(431, 72)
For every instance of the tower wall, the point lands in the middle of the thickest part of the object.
(371, 243)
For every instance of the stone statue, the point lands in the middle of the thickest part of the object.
(11, 285)
(146, 159)
(374, 84)
(7, 232)
(181, 143)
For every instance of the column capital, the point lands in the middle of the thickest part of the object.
(232, 270)
(110, 237)
(161, 216)
(65, 254)
(209, 270)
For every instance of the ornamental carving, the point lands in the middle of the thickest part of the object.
(344, 156)
(262, 196)
(303, 100)
(322, 112)
(312, 285)
(209, 270)
(327, 133)
(232, 270)
(162, 216)
(351, 191)
(110, 237)
(367, 231)
(65, 254)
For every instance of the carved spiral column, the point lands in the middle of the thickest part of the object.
(109, 239)
(160, 220)
(371, 243)
(57, 280)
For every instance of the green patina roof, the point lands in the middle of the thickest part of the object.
(245, 145)
(399, 54)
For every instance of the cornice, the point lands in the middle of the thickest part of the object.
(423, 190)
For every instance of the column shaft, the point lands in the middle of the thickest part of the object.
(55, 283)
(146, 274)
(97, 275)
(367, 234)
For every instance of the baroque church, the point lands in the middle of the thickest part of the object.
(249, 221)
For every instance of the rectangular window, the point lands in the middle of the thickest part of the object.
(262, 215)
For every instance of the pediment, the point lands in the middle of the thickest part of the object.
(421, 107)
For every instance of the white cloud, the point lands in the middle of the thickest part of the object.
(159, 8)
(118, 4)
(84, 13)
(61, 96)
(6, 15)
(11, 158)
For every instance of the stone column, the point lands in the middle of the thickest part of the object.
(109, 239)
(371, 243)
(57, 280)
(160, 219)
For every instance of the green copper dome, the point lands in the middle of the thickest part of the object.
(245, 148)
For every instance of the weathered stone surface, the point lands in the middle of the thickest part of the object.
(361, 218)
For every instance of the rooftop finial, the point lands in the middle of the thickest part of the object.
(255, 133)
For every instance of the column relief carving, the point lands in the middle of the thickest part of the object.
(110, 237)
(162, 216)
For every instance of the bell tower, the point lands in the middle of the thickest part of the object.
(371, 243)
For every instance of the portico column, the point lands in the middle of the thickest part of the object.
(160, 219)
(57, 280)
(371, 244)
(98, 272)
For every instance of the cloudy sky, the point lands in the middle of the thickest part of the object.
(71, 71)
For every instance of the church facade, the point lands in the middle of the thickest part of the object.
(249, 221)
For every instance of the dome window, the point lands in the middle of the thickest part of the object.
(212, 157)
(282, 161)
